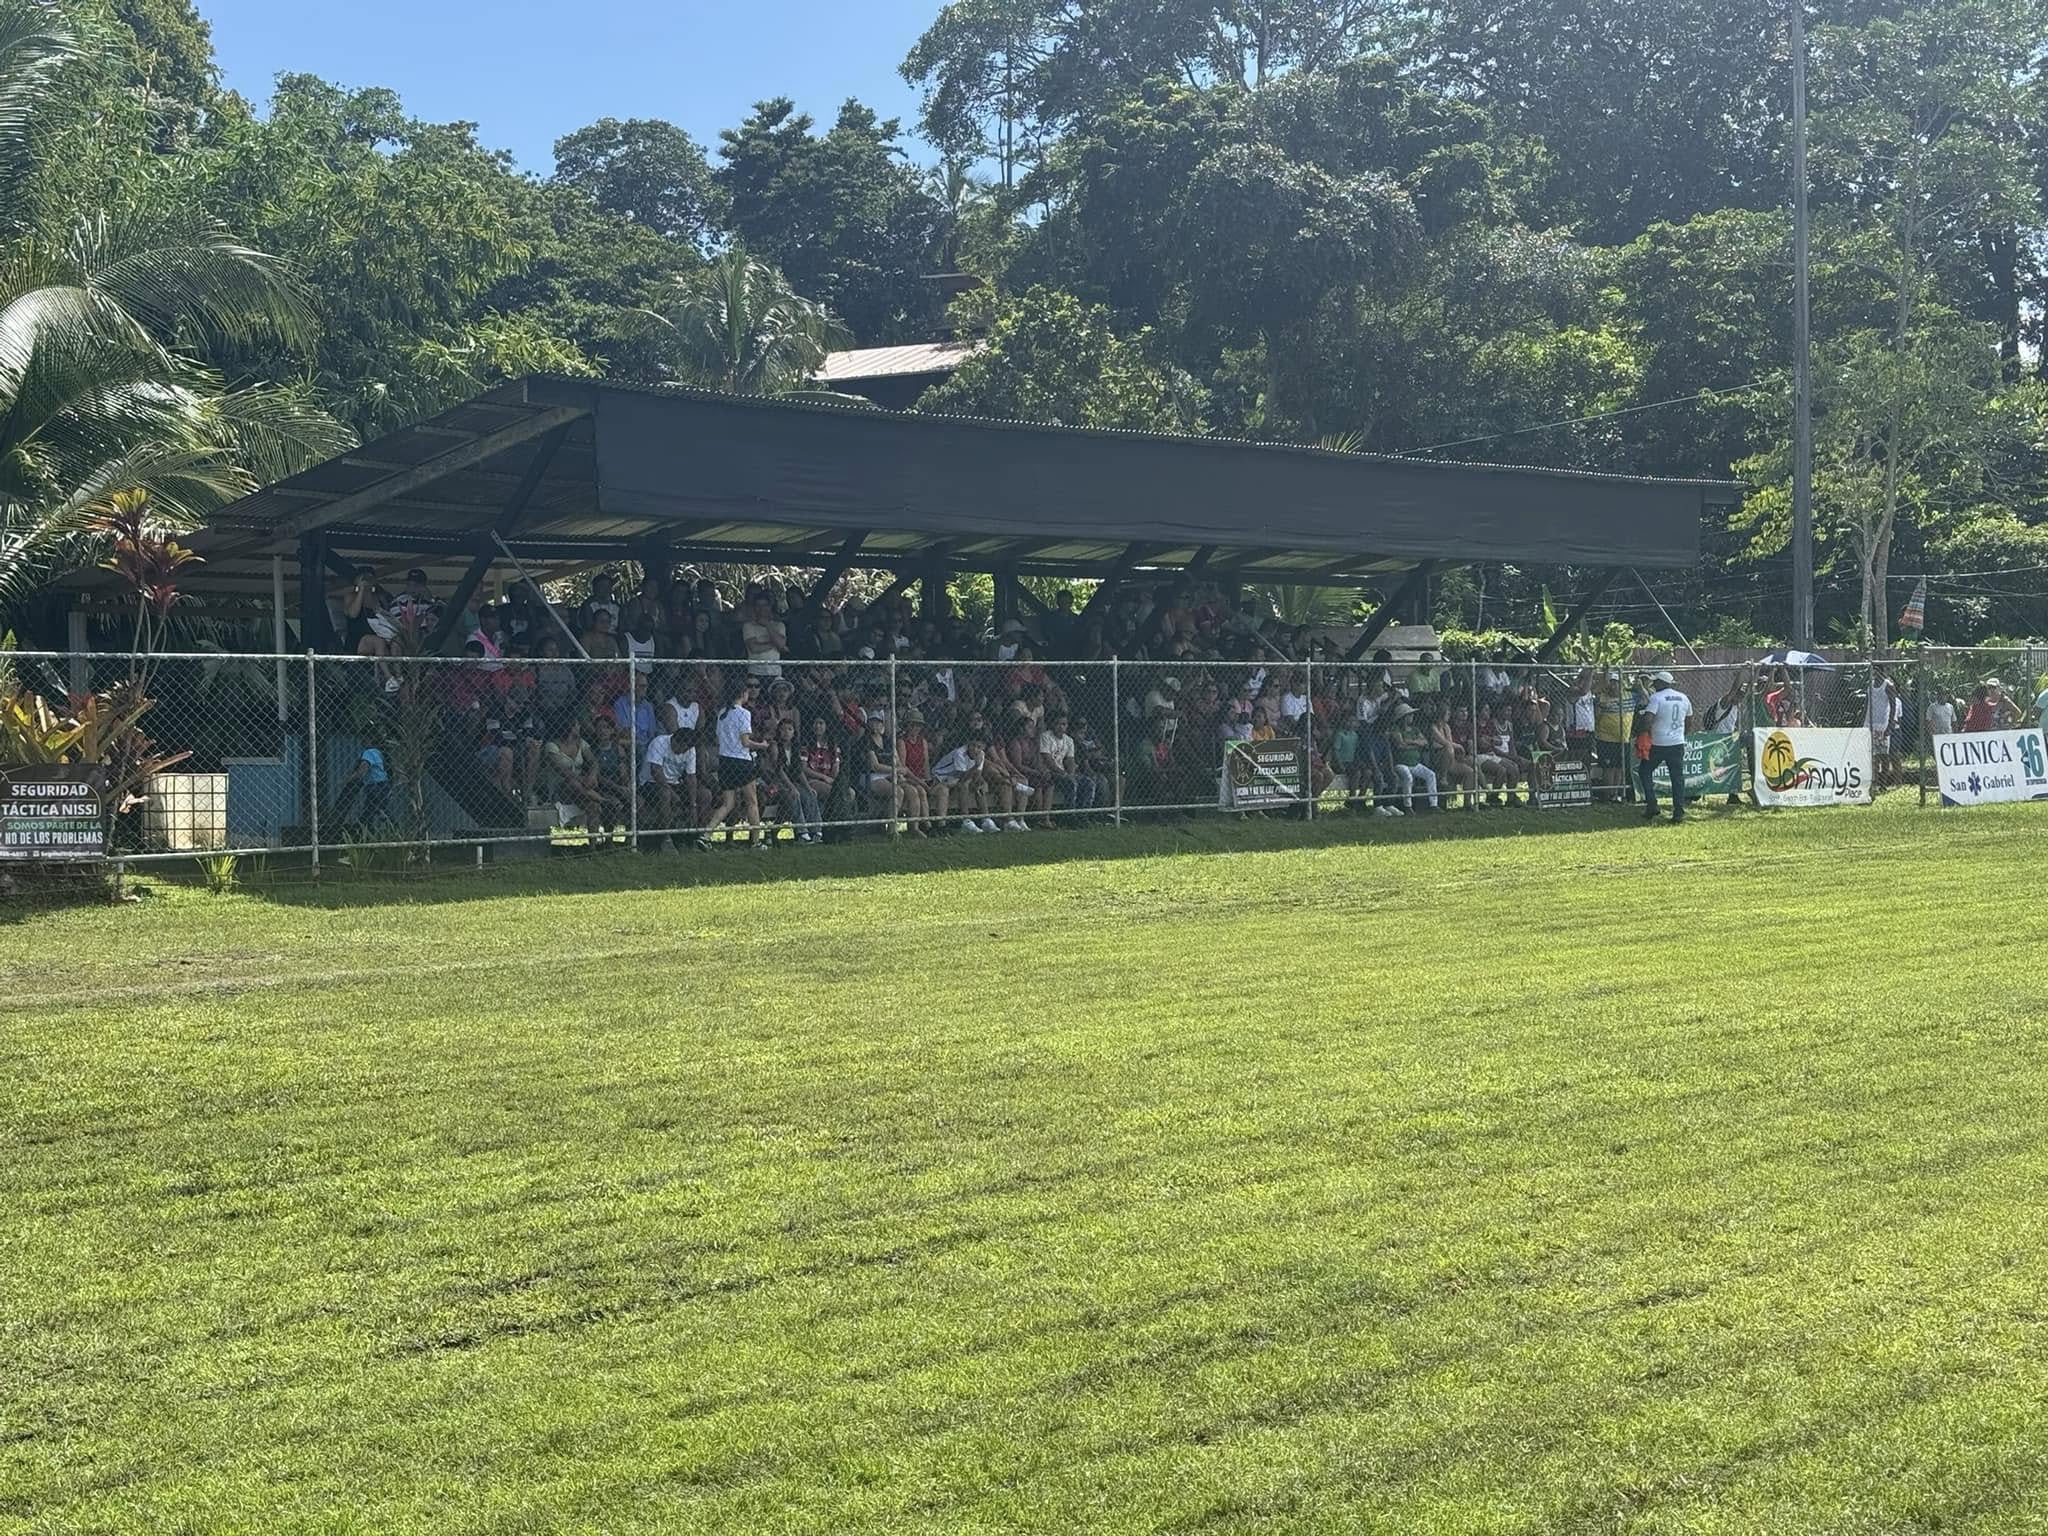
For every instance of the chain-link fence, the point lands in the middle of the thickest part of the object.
(344, 757)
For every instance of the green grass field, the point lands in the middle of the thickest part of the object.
(1546, 1174)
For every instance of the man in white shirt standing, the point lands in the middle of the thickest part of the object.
(1940, 718)
(1882, 716)
(1670, 714)
(765, 638)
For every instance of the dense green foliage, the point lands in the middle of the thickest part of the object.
(1444, 226)
(113, 289)
(1548, 233)
(1049, 357)
(738, 326)
(1250, 1181)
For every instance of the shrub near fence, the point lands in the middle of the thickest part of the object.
(330, 756)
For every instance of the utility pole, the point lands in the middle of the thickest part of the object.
(1802, 354)
(1009, 149)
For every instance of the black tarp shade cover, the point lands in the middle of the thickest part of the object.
(672, 457)
(616, 472)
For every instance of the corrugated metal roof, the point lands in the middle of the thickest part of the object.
(893, 362)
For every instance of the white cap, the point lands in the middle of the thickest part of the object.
(1661, 679)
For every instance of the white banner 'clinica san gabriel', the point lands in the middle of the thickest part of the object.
(1990, 766)
(1808, 765)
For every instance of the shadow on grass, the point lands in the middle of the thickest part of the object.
(620, 869)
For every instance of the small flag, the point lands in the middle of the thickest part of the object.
(1915, 616)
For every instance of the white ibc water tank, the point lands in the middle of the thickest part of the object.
(185, 813)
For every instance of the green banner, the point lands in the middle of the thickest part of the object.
(1713, 765)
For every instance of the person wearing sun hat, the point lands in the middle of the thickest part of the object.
(1669, 713)
(1411, 773)
(2004, 709)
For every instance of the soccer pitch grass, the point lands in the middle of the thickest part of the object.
(1538, 1175)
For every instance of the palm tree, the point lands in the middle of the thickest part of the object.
(99, 314)
(960, 193)
(739, 327)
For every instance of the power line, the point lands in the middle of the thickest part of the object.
(2007, 570)
(1578, 421)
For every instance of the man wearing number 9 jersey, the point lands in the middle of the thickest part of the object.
(1669, 714)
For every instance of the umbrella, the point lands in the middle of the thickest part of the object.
(1795, 659)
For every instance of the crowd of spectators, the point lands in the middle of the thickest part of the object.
(774, 710)
(732, 717)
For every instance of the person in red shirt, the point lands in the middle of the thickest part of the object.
(1982, 714)
(926, 795)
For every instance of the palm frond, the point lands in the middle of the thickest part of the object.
(36, 42)
(41, 541)
(182, 282)
(77, 409)
(42, 327)
(275, 431)
(739, 326)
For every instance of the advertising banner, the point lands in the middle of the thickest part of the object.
(1713, 765)
(1989, 767)
(52, 812)
(1803, 765)
(1259, 775)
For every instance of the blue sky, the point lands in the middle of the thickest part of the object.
(529, 71)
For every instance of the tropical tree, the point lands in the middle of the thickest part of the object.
(645, 170)
(402, 230)
(1049, 357)
(738, 326)
(100, 313)
(841, 214)
(961, 195)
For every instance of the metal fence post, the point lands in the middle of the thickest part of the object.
(1116, 736)
(1308, 731)
(313, 757)
(1472, 703)
(895, 756)
(1920, 705)
(634, 747)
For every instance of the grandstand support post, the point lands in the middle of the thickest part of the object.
(277, 639)
(315, 629)
(1569, 624)
(1416, 581)
(1472, 704)
(1116, 739)
(313, 758)
(1308, 731)
(895, 754)
(1920, 697)
(634, 749)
